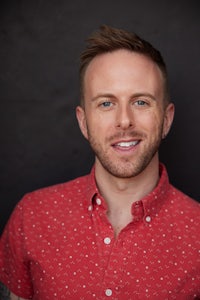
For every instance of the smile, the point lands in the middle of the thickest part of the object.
(126, 145)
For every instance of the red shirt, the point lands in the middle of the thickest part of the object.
(58, 244)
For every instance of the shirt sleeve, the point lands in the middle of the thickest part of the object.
(14, 264)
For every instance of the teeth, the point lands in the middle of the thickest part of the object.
(127, 144)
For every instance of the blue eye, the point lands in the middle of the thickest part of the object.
(106, 104)
(140, 102)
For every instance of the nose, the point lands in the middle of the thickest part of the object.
(124, 117)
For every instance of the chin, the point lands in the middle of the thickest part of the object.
(124, 172)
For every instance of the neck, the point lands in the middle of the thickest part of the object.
(121, 193)
(135, 187)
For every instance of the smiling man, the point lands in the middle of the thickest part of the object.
(123, 231)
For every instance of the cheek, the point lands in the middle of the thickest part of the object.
(150, 122)
(99, 123)
(95, 130)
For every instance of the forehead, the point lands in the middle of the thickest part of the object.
(123, 68)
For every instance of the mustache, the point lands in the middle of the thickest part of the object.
(136, 134)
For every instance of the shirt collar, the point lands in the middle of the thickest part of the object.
(151, 203)
(91, 188)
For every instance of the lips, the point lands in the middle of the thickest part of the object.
(126, 145)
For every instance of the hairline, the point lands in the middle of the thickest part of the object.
(166, 98)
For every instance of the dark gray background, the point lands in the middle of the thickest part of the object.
(40, 42)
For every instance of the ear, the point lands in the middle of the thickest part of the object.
(168, 119)
(80, 115)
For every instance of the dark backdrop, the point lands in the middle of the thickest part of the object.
(40, 42)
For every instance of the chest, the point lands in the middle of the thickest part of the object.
(83, 260)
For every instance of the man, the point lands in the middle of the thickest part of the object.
(121, 232)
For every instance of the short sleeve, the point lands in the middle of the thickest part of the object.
(14, 264)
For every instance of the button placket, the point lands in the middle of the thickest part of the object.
(105, 240)
(113, 271)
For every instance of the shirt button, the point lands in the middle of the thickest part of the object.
(90, 207)
(98, 201)
(107, 241)
(108, 292)
(148, 219)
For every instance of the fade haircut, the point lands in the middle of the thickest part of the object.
(108, 39)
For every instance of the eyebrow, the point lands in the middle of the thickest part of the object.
(135, 95)
(101, 95)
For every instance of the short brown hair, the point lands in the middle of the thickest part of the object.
(109, 39)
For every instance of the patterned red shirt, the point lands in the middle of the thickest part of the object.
(59, 244)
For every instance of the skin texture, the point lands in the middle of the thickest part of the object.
(124, 118)
(124, 102)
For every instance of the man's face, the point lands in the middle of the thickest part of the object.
(124, 117)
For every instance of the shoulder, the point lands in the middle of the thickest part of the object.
(79, 182)
(183, 201)
(183, 211)
(61, 191)
(56, 200)
(48, 209)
